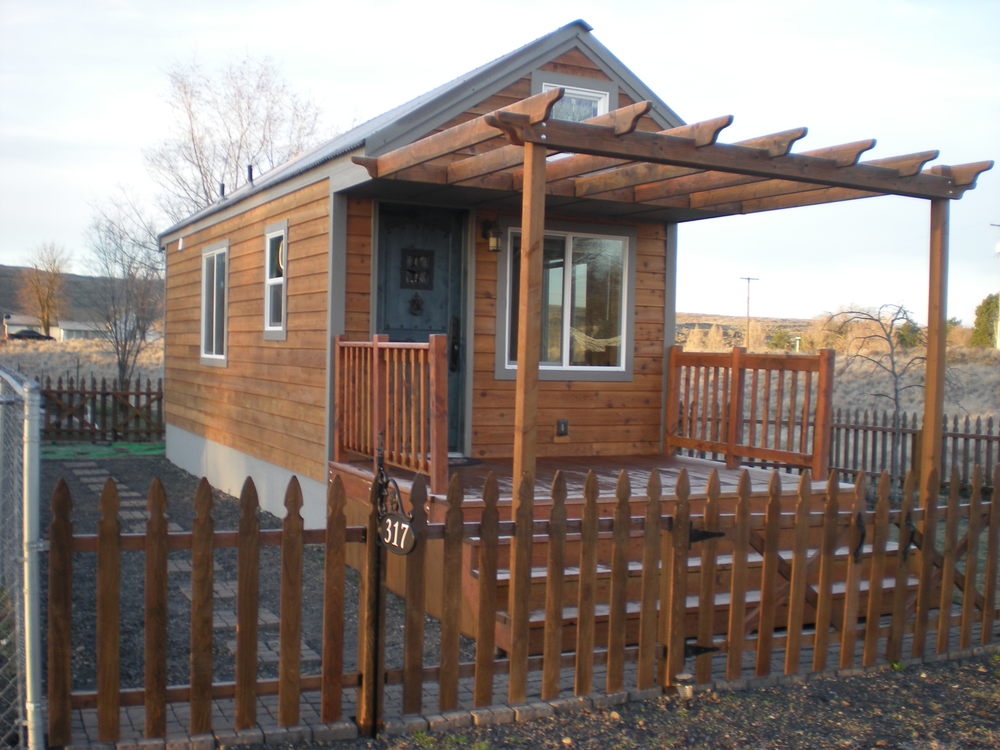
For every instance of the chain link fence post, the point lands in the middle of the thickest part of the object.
(21, 708)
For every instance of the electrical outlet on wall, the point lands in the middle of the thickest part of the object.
(562, 431)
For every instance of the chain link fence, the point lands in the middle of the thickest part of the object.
(20, 663)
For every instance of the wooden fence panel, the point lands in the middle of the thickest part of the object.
(646, 670)
(824, 587)
(738, 581)
(618, 600)
(335, 545)
(799, 576)
(414, 593)
(487, 616)
(769, 601)
(949, 557)
(969, 584)
(60, 616)
(706, 590)
(290, 615)
(115, 411)
(926, 539)
(852, 578)
(876, 576)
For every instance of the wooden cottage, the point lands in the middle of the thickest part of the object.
(375, 290)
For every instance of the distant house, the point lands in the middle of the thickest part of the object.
(411, 225)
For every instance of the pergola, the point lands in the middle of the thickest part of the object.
(684, 173)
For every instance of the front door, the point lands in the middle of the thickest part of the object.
(420, 277)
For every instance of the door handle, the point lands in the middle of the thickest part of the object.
(454, 345)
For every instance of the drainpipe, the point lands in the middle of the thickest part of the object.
(34, 707)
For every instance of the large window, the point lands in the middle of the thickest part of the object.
(213, 303)
(275, 275)
(583, 301)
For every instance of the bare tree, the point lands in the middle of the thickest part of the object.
(245, 114)
(890, 342)
(41, 289)
(128, 303)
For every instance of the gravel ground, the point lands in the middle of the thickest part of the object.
(940, 705)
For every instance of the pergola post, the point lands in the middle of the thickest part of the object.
(526, 413)
(529, 310)
(937, 306)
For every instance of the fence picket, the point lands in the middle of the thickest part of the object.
(738, 580)
(247, 593)
(766, 613)
(852, 578)
(800, 575)
(414, 594)
(948, 560)
(990, 569)
(520, 586)
(646, 670)
(60, 612)
(486, 623)
(615, 675)
(927, 535)
(584, 680)
(155, 607)
(556, 564)
(452, 584)
(370, 642)
(824, 587)
(200, 720)
(880, 536)
(108, 615)
(900, 590)
(706, 589)
(969, 587)
(335, 543)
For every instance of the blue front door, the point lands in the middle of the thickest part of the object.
(420, 289)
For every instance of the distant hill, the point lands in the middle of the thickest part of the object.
(79, 293)
(733, 326)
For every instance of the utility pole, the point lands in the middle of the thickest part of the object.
(746, 338)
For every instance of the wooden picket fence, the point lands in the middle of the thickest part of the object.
(789, 589)
(866, 441)
(74, 411)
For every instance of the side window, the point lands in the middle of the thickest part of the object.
(214, 282)
(275, 281)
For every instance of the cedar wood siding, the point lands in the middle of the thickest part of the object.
(605, 418)
(269, 399)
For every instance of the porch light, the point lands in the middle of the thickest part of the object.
(492, 234)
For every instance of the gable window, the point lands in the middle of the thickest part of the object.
(275, 280)
(579, 104)
(214, 278)
(584, 290)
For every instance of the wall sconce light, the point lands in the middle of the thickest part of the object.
(492, 234)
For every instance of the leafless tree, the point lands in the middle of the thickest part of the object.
(128, 303)
(244, 114)
(889, 340)
(41, 289)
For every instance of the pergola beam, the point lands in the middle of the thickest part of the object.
(648, 175)
(661, 149)
(623, 120)
(534, 109)
(905, 165)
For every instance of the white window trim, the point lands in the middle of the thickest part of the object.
(507, 370)
(271, 332)
(210, 358)
(603, 98)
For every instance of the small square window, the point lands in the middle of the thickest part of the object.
(579, 104)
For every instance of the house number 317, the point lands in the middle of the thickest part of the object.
(396, 533)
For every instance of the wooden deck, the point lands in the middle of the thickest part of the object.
(473, 474)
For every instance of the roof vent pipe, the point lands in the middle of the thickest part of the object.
(222, 190)
(250, 173)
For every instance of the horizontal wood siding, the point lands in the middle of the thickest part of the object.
(269, 399)
(357, 308)
(605, 418)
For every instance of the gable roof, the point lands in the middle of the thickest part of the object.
(419, 116)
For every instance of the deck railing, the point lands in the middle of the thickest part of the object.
(396, 393)
(773, 408)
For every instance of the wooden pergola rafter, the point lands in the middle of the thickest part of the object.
(686, 168)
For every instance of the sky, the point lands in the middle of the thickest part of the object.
(83, 89)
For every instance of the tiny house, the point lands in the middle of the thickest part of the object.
(485, 276)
